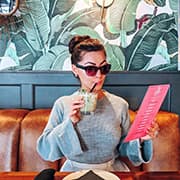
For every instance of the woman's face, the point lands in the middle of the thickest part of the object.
(94, 58)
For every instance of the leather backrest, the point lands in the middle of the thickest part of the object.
(31, 128)
(166, 155)
(9, 137)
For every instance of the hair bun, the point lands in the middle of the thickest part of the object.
(76, 40)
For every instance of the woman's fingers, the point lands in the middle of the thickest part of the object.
(153, 130)
(76, 104)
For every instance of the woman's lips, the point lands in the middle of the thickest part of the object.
(98, 83)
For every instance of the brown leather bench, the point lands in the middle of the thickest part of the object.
(20, 128)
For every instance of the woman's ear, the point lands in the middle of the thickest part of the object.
(74, 70)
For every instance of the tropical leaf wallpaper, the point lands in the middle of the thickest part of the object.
(139, 35)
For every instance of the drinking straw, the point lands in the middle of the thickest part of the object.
(93, 87)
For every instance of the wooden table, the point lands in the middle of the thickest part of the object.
(58, 175)
(160, 176)
(121, 175)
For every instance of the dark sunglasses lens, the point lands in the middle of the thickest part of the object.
(105, 69)
(91, 71)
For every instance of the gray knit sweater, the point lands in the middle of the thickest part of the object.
(97, 138)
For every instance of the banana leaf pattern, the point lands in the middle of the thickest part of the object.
(37, 38)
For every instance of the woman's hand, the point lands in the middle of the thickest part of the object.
(152, 132)
(76, 104)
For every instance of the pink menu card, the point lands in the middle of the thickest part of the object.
(150, 106)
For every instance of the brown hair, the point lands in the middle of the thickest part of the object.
(79, 45)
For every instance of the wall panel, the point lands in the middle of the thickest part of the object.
(40, 89)
(10, 96)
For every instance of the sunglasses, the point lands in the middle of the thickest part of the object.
(92, 70)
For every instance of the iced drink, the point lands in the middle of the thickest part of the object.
(90, 101)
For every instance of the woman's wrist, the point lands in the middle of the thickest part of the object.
(141, 140)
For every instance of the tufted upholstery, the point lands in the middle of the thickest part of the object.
(167, 145)
(9, 137)
(31, 127)
(19, 130)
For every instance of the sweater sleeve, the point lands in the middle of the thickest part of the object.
(59, 137)
(137, 153)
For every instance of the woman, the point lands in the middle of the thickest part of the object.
(92, 141)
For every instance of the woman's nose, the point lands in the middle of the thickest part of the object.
(98, 74)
